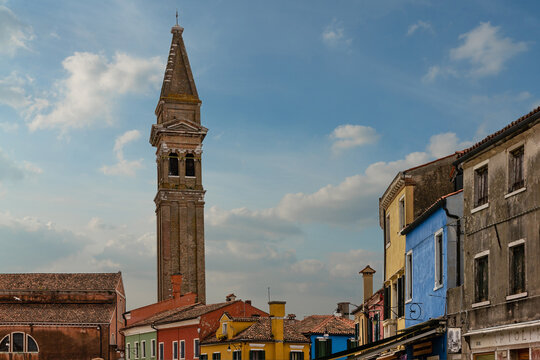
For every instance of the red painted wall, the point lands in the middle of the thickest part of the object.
(208, 324)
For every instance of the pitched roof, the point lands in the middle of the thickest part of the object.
(407, 229)
(192, 312)
(261, 330)
(59, 281)
(514, 126)
(330, 324)
(56, 313)
(159, 316)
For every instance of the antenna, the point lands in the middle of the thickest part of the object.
(176, 17)
(269, 294)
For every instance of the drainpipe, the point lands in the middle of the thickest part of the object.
(458, 241)
(100, 342)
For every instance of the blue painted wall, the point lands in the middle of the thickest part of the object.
(421, 241)
(339, 343)
(438, 346)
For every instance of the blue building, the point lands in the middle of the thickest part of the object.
(328, 334)
(433, 264)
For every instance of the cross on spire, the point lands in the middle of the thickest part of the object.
(176, 17)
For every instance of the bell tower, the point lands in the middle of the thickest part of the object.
(178, 136)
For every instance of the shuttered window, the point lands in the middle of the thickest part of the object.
(481, 275)
(515, 170)
(481, 186)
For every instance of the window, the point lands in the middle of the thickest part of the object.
(18, 342)
(481, 186)
(256, 354)
(175, 350)
(224, 328)
(438, 259)
(377, 329)
(196, 348)
(402, 212)
(161, 350)
(182, 349)
(481, 276)
(387, 230)
(216, 356)
(173, 164)
(190, 165)
(203, 357)
(515, 170)
(387, 302)
(153, 348)
(296, 355)
(143, 349)
(136, 349)
(356, 331)
(323, 347)
(408, 276)
(401, 297)
(517, 268)
(237, 355)
(128, 351)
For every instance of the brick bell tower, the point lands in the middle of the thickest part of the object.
(178, 136)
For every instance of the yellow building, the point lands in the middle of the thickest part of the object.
(411, 192)
(256, 338)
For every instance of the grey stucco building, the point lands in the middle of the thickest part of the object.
(497, 309)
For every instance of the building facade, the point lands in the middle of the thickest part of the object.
(497, 309)
(411, 192)
(61, 316)
(256, 338)
(178, 136)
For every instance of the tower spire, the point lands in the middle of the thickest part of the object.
(177, 17)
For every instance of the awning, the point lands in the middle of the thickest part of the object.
(503, 327)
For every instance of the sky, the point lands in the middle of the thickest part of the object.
(312, 108)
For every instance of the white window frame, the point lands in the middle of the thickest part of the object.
(196, 348)
(387, 231)
(182, 350)
(409, 276)
(153, 348)
(508, 154)
(224, 329)
(143, 349)
(161, 351)
(439, 259)
(401, 210)
(486, 205)
(175, 346)
(136, 346)
(481, 255)
(128, 351)
(511, 245)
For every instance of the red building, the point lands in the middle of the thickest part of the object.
(61, 316)
(180, 333)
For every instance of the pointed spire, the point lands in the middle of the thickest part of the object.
(178, 83)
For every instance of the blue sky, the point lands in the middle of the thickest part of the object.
(312, 106)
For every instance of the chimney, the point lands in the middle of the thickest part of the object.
(176, 281)
(291, 316)
(367, 274)
(343, 309)
(248, 302)
(230, 297)
(277, 313)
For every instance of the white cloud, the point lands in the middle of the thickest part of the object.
(419, 25)
(13, 171)
(445, 144)
(9, 126)
(12, 92)
(14, 34)
(123, 166)
(334, 35)
(350, 136)
(89, 94)
(486, 50)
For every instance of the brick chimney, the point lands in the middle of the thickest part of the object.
(230, 297)
(343, 309)
(367, 274)
(176, 281)
(291, 316)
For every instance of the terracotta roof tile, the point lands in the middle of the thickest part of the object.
(59, 281)
(495, 134)
(56, 313)
(330, 324)
(192, 312)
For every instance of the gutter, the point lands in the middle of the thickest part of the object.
(497, 138)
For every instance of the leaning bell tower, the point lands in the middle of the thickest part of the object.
(178, 136)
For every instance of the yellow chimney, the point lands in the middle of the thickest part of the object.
(277, 314)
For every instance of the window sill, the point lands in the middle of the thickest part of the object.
(516, 296)
(408, 301)
(387, 245)
(190, 177)
(437, 287)
(515, 192)
(174, 176)
(480, 304)
(481, 207)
